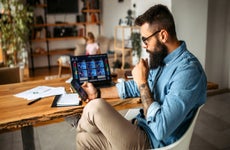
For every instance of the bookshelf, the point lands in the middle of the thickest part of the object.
(45, 32)
(122, 35)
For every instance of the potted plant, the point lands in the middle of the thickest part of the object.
(136, 46)
(14, 30)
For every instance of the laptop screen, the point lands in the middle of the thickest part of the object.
(91, 68)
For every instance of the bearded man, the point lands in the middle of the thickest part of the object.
(171, 85)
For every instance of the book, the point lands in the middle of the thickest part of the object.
(71, 99)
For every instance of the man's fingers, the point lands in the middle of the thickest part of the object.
(84, 84)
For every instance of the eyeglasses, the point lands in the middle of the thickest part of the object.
(145, 39)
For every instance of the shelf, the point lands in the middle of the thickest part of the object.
(39, 40)
(88, 23)
(61, 51)
(55, 52)
(59, 24)
(123, 48)
(65, 38)
(58, 38)
(65, 24)
(91, 11)
(40, 5)
(39, 54)
(39, 25)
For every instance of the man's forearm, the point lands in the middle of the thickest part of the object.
(146, 96)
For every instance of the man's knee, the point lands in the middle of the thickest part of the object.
(81, 140)
(95, 105)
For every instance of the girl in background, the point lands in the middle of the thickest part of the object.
(92, 46)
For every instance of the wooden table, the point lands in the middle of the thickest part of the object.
(15, 113)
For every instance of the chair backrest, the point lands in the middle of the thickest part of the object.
(184, 142)
(9, 75)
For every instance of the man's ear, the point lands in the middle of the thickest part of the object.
(164, 36)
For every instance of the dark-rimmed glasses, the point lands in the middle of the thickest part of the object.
(144, 39)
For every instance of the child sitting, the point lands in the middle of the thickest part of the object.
(92, 47)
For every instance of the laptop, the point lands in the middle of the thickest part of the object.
(91, 68)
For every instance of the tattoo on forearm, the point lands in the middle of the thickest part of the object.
(146, 96)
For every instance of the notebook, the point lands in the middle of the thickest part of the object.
(91, 68)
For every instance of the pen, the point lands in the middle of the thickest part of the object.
(33, 101)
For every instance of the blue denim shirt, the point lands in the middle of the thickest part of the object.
(179, 91)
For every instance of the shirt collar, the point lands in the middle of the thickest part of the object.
(174, 54)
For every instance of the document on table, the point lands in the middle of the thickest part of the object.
(40, 92)
(68, 99)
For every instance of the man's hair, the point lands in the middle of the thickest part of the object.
(159, 16)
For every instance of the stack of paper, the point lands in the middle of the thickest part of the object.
(40, 92)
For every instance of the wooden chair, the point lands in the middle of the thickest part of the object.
(63, 62)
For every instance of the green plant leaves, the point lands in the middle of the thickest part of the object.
(14, 26)
(136, 43)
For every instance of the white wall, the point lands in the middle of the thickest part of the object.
(218, 43)
(112, 11)
(191, 25)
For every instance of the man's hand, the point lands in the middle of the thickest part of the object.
(90, 90)
(140, 72)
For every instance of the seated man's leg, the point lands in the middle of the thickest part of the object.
(87, 140)
(101, 120)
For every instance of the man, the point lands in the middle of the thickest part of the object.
(171, 88)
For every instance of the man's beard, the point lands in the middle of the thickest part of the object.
(157, 56)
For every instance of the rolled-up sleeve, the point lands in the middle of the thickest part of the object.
(154, 107)
(127, 89)
(121, 89)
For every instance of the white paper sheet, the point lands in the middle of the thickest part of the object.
(40, 92)
(68, 99)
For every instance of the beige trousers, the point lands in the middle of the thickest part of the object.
(101, 127)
